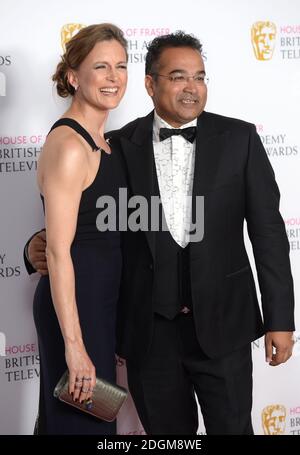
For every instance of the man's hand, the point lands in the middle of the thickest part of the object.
(37, 253)
(283, 343)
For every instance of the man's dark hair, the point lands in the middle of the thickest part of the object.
(160, 43)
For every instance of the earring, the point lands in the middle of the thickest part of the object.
(75, 88)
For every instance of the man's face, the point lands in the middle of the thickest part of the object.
(182, 101)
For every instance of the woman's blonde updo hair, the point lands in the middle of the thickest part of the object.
(78, 48)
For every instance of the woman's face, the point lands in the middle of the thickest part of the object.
(102, 76)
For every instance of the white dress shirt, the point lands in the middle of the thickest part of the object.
(175, 161)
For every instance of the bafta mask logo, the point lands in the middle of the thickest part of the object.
(67, 32)
(263, 36)
(273, 419)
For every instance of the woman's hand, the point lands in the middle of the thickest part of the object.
(82, 373)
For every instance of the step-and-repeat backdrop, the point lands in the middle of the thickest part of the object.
(252, 56)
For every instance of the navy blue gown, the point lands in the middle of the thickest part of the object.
(97, 265)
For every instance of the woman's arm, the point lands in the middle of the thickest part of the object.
(63, 173)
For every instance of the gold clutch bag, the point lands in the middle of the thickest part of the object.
(105, 403)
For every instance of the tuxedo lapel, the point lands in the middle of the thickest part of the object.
(139, 157)
(210, 143)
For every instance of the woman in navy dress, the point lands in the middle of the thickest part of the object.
(75, 305)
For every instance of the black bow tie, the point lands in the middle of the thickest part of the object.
(188, 133)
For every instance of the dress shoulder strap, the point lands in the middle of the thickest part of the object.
(79, 129)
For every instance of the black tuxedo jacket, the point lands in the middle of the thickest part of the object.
(235, 177)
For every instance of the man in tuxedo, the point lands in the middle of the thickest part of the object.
(188, 309)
